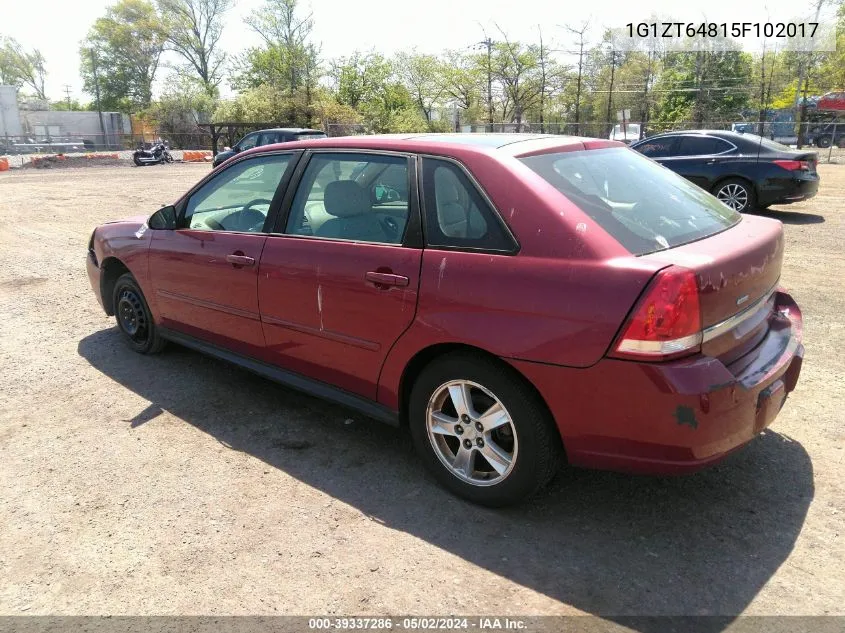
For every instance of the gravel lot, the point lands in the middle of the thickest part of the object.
(181, 485)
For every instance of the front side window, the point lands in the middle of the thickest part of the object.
(248, 142)
(644, 206)
(361, 197)
(456, 214)
(237, 199)
(656, 147)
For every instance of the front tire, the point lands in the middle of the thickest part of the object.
(824, 142)
(133, 316)
(736, 193)
(482, 431)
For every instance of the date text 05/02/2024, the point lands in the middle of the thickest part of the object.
(455, 624)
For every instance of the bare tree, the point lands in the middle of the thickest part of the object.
(194, 28)
(517, 69)
(581, 33)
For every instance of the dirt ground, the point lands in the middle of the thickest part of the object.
(179, 484)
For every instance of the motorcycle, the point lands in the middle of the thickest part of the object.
(159, 153)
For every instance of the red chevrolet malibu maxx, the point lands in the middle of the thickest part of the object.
(513, 299)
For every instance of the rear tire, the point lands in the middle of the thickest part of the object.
(133, 316)
(137, 161)
(824, 142)
(505, 420)
(737, 193)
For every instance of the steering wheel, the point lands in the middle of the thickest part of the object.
(390, 227)
(248, 219)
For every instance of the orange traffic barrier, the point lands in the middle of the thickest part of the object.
(194, 156)
(4, 164)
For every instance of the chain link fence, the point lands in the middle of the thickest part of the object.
(827, 139)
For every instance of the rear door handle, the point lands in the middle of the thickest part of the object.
(386, 279)
(240, 260)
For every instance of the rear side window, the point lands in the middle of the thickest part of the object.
(456, 214)
(656, 147)
(701, 146)
(304, 136)
(644, 206)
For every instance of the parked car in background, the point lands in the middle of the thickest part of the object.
(742, 170)
(511, 298)
(266, 137)
(628, 133)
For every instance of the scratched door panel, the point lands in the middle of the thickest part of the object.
(323, 318)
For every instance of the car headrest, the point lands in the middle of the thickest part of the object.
(446, 187)
(345, 198)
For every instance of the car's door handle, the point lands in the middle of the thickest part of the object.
(386, 279)
(240, 260)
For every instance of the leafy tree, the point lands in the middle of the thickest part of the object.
(184, 104)
(22, 68)
(463, 78)
(424, 79)
(288, 61)
(122, 53)
(517, 69)
(193, 30)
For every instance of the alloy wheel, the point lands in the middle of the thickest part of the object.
(733, 195)
(472, 433)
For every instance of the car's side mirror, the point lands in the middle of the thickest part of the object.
(163, 219)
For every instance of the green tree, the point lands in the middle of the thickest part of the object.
(183, 105)
(464, 78)
(287, 61)
(22, 68)
(517, 69)
(703, 87)
(122, 54)
(424, 78)
(193, 30)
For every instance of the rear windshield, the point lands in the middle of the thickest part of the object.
(778, 147)
(646, 207)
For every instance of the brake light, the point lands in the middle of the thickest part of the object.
(666, 322)
(793, 165)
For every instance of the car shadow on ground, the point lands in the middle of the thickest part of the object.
(608, 544)
(790, 217)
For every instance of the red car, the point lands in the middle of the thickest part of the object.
(513, 299)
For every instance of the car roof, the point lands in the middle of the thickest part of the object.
(451, 144)
(725, 134)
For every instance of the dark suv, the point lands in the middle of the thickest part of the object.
(267, 137)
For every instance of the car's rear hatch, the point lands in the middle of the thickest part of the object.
(735, 260)
(737, 272)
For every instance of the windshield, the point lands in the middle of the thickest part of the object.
(630, 128)
(644, 206)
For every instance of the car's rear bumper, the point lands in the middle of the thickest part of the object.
(674, 417)
(94, 276)
(787, 190)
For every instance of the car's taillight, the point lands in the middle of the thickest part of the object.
(793, 165)
(667, 320)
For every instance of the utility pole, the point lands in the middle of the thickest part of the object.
(97, 92)
(803, 80)
(67, 92)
